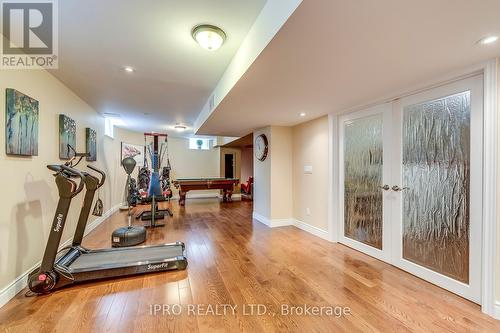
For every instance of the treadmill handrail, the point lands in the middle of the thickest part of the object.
(102, 173)
(78, 174)
(68, 189)
(69, 172)
(92, 183)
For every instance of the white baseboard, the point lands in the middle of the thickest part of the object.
(275, 223)
(272, 223)
(10, 291)
(261, 218)
(286, 222)
(312, 229)
(235, 196)
(496, 310)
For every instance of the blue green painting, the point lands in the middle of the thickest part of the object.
(67, 136)
(21, 124)
(91, 144)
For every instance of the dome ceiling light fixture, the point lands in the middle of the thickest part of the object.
(488, 40)
(128, 69)
(180, 128)
(208, 36)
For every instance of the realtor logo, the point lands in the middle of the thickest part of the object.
(29, 30)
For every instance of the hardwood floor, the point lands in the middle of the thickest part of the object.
(235, 261)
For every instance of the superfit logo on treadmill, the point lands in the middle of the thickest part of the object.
(158, 266)
(59, 223)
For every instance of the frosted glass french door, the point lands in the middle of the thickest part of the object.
(365, 177)
(411, 184)
(437, 212)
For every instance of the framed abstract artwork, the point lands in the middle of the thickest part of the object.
(67, 136)
(134, 151)
(91, 144)
(21, 124)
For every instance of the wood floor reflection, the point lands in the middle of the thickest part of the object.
(234, 260)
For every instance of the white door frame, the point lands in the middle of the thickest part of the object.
(490, 158)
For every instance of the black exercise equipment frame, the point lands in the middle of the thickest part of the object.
(154, 213)
(56, 270)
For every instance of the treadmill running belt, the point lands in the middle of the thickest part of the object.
(124, 257)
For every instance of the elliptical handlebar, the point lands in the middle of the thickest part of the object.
(102, 173)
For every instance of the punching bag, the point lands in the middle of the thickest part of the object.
(154, 183)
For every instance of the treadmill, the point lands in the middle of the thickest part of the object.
(77, 264)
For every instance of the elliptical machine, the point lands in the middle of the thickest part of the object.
(129, 235)
(155, 192)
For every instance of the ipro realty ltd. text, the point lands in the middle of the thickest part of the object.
(336, 311)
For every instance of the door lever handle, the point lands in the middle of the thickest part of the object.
(385, 187)
(396, 188)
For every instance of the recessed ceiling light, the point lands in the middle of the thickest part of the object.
(129, 69)
(111, 115)
(488, 40)
(302, 114)
(180, 128)
(209, 37)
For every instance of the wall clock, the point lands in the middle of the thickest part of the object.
(261, 147)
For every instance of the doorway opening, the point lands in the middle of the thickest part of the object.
(228, 165)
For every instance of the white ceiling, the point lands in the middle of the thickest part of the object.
(174, 75)
(332, 55)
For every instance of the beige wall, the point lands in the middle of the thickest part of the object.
(262, 179)
(310, 148)
(246, 164)
(116, 177)
(29, 193)
(237, 164)
(281, 172)
(273, 176)
(192, 163)
(282, 190)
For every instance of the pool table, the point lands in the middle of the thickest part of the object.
(192, 184)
